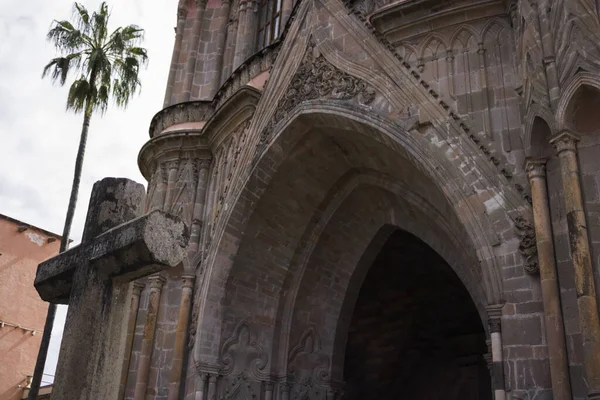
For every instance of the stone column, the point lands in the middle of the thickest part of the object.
(553, 319)
(199, 205)
(565, 146)
(181, 15)
(285, 391)
(494, 322)
(245, 42)
(172, 168)
(221, 43)
(450, 66)
(548, 51)
(200, 387)
(212, 387)
(141, 383)
(286, 10)
(268, 390)
(181, 335)
(190, 63)
(133, 313)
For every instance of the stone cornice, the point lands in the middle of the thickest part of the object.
(238, 108)
(191, 111)
(170, 147)
(405, 16)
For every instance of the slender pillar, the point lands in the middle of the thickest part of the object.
(133, 312)
(494, 322)
(484, 91)
(190, 62)
(268, 390)
(200, 387)
(199, 203)
(181, 335)
(221, 43)
(245, 42)
(553, 319)
(450, 66)
(548, 51)
(286, 10)
(181, 15)
(172, 167)
(285, 391)
(141, 383)
(566, 148)
(212, 387)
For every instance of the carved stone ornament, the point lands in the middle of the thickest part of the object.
(242, 353)
(315, 79)
(308, 367)
(239, 387)
(527, 245)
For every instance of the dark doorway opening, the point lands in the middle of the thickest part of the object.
(415, 332)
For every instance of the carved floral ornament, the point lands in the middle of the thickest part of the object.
(315, 79)
(527, 244)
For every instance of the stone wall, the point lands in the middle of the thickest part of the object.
(434, 103)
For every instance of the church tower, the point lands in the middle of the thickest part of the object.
(386, 198)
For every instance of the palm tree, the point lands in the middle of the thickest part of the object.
(106, 65)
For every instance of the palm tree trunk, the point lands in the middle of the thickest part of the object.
(43, 352)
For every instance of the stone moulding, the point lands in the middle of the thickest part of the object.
(255, 65)
(191, 111)
(242, 352)
(527, 244)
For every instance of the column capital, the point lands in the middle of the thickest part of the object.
(564, 141)
(535, 167)
(138, 287)
(495, 325)
(188, 281)
(156, 281)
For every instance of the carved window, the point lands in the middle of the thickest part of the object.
(269, 27)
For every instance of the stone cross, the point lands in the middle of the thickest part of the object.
(94, 278)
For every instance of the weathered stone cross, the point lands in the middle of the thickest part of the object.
(93, 278)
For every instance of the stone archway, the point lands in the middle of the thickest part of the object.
(414, 332)
(293, 256)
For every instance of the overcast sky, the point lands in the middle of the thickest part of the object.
(38, 139)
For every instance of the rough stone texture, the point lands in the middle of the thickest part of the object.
(97, 275)
(367, 117)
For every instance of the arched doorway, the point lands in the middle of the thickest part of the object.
(415, 332)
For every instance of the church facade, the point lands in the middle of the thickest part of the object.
(386, 200)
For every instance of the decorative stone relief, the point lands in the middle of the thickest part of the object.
(527, 244)
(239, 388)
(315, 79)
(228, 155)
(243, 365)
(309, 368)
(242, 353)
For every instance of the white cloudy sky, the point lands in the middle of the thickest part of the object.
(38, 139)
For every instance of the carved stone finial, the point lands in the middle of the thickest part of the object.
(564, 141)
(527, 245)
